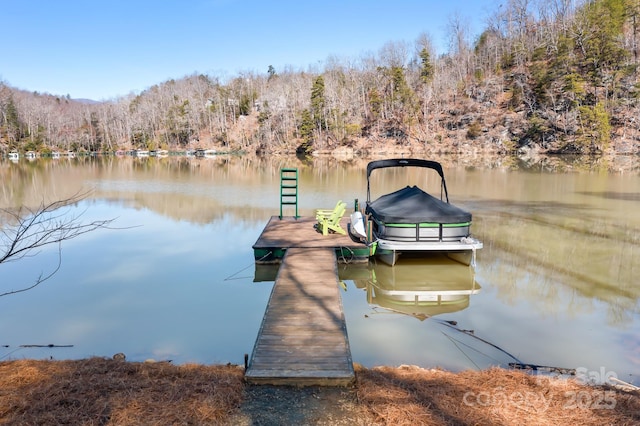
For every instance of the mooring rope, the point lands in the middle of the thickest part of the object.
(453, 326)
(233, 276)
(344, 259)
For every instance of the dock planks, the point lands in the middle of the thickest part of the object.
(303, 336)
(281, 234)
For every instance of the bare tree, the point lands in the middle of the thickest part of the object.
(459, 45)
(29, 230)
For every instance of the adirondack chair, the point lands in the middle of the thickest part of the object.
(320, 213)
(331, 223)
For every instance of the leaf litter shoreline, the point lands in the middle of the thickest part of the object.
(102, 391)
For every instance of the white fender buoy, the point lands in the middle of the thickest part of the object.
(357, 225)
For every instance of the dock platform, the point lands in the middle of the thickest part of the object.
(303, 337)
(281, 234)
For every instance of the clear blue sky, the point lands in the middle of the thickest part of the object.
(101, 49)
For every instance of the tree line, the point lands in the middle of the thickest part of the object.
(558, 75)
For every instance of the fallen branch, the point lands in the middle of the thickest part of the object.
(33, 229)
(50, 345)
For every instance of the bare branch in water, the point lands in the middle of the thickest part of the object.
(29, 230)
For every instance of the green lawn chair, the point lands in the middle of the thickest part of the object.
(320, 213)
(331, 223)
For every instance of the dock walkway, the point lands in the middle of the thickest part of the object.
(303, 337)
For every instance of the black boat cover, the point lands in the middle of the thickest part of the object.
(413, 205)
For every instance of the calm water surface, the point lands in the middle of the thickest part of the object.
(555, 284)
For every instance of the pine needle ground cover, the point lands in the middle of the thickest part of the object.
(102, 391)
(99, 391)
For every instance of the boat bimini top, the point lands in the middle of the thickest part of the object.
(411, 204)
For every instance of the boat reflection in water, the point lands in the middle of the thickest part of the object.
(421, 287)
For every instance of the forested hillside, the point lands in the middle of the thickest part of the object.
(556, 76)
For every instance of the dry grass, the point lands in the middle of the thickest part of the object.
(101, 391)
(411, 395)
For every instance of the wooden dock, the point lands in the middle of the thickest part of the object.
(303, 337)
(282, 234)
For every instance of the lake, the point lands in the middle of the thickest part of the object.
(174, 278)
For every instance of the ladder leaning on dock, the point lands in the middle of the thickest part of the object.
(289, 189)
